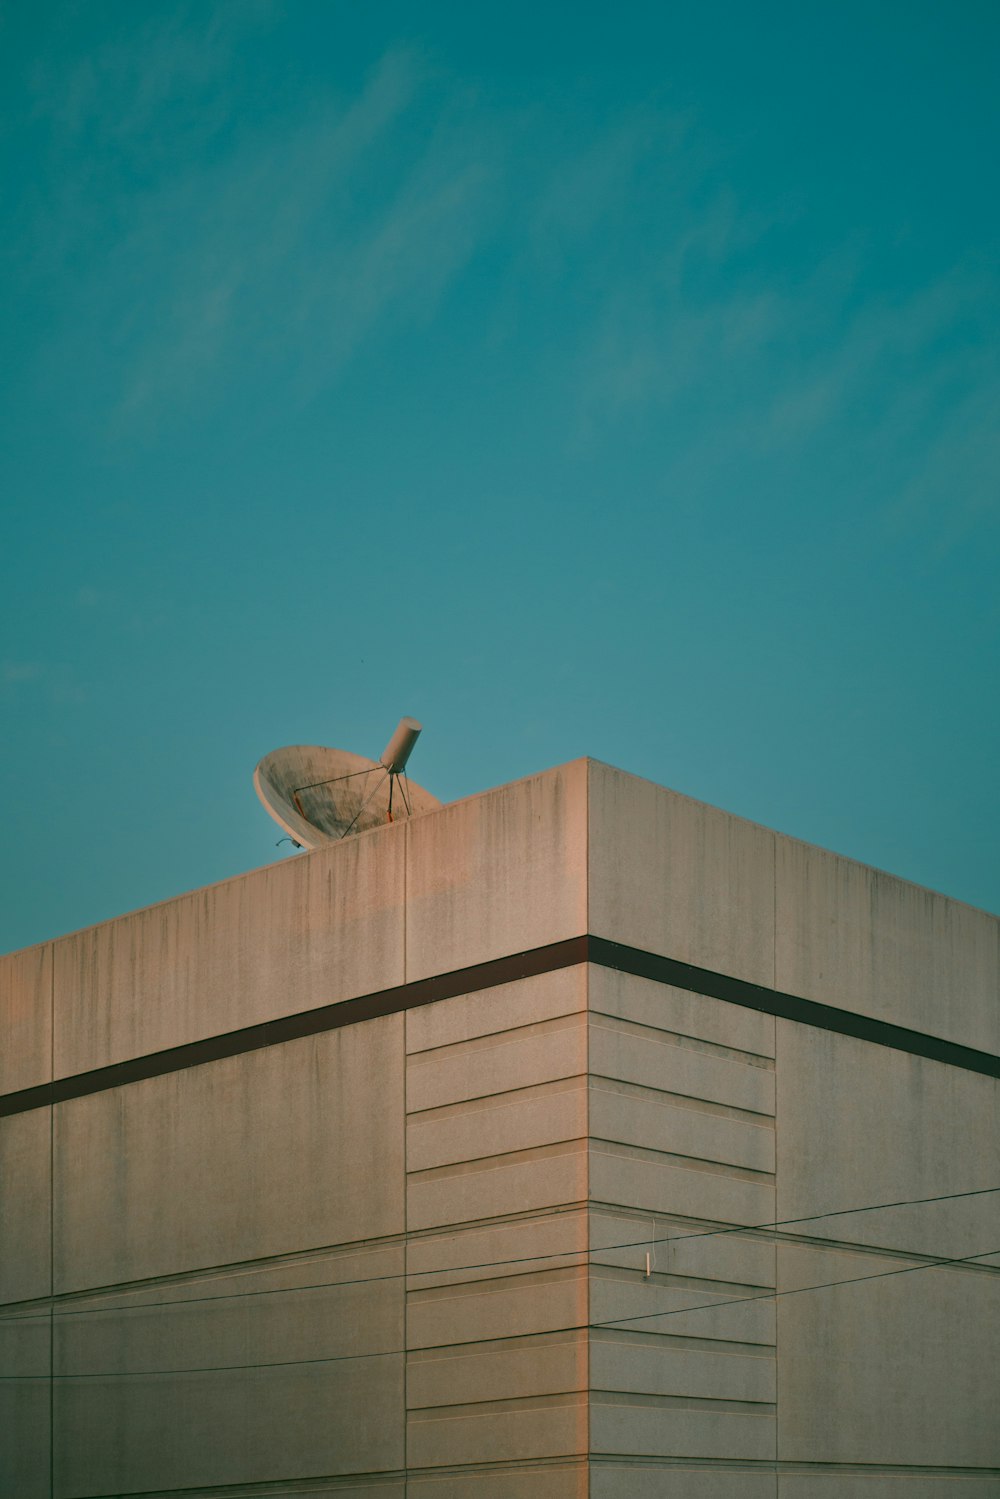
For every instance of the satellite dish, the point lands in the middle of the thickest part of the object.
(321, 795)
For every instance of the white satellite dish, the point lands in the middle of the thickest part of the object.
(321, 795)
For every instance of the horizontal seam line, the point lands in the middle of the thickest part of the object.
(532, 963)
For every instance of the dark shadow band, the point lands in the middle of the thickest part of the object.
(480, 976)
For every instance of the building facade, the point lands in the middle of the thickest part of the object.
(577, 1139)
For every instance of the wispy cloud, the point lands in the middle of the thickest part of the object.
(12, 673)
(297, 242)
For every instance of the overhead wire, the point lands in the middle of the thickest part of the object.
(752, 1228)
(933, 1263)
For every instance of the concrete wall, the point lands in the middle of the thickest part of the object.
(356, 1263)
(704, 1116)
(213, 1262)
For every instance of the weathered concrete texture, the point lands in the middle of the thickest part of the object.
(496, 1313)
(854, 937)
(913, 1484)
(25, 1360)
(559, 1479)
(642, 1480)
(192, 1430)
(670, 875)
(682, 1141)
(25, 1018)
(497, 874)
(354, 1486)
(868, 1125)
(25, 1195)
(252, 1156)
(899, 1369)
(309, 931)
(895, 1369)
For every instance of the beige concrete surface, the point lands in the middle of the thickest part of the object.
(860, 1125)
(474, 1373)
(900, 1369)
(638, 1054)
(649, 1364)
(308, 931)
(499, 873)
(519, 1430)
(25, 1362)
(652, 1122)
(496, 1139)
(454, 1254)
(292, 1367)
(496, 1012)
(354, 1486)
(559, 1479)
(25, 1018)
(339, 1305)
(546, 1114)
(898, 1485)
(673, 876)
(684, 1015)
(498, 1063)
(641, 1480)
(256, 1155)
(852, 936)
(123, 1436)
(658, 1427)
(682, 1248)
(25, 1223)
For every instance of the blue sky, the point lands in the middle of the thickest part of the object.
(619, 381)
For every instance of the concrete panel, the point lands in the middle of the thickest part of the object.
(659, 1429)
(862, 1124)
(676, 1309)
(356, 1486)
(324, 926)
(24, 1406)
(551, 1175)
(554, 1480)
(551, 1241)
(640, 1480)
(661, 1186)
(228, 1363)
(673, 876)
(649, 1122)
(277, 1151)
(852, 936)
(342, 1305)
(545, 1115)
(497, 1064)
(506, 1306)
(540, 1426)
(497, 874)
(646, 1366)
(662, 1007)
(141, 1432)
(25, 1018)
(544, 1364)
(25, 1181)
(683, 1249)
(504, 1008)
(910, 1485)
(895, 1370)
(647, 1057)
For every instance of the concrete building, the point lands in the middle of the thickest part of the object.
(574, 1140)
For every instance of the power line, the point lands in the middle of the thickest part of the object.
(489, 1264)
(928, 1264)
(680, 1311)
